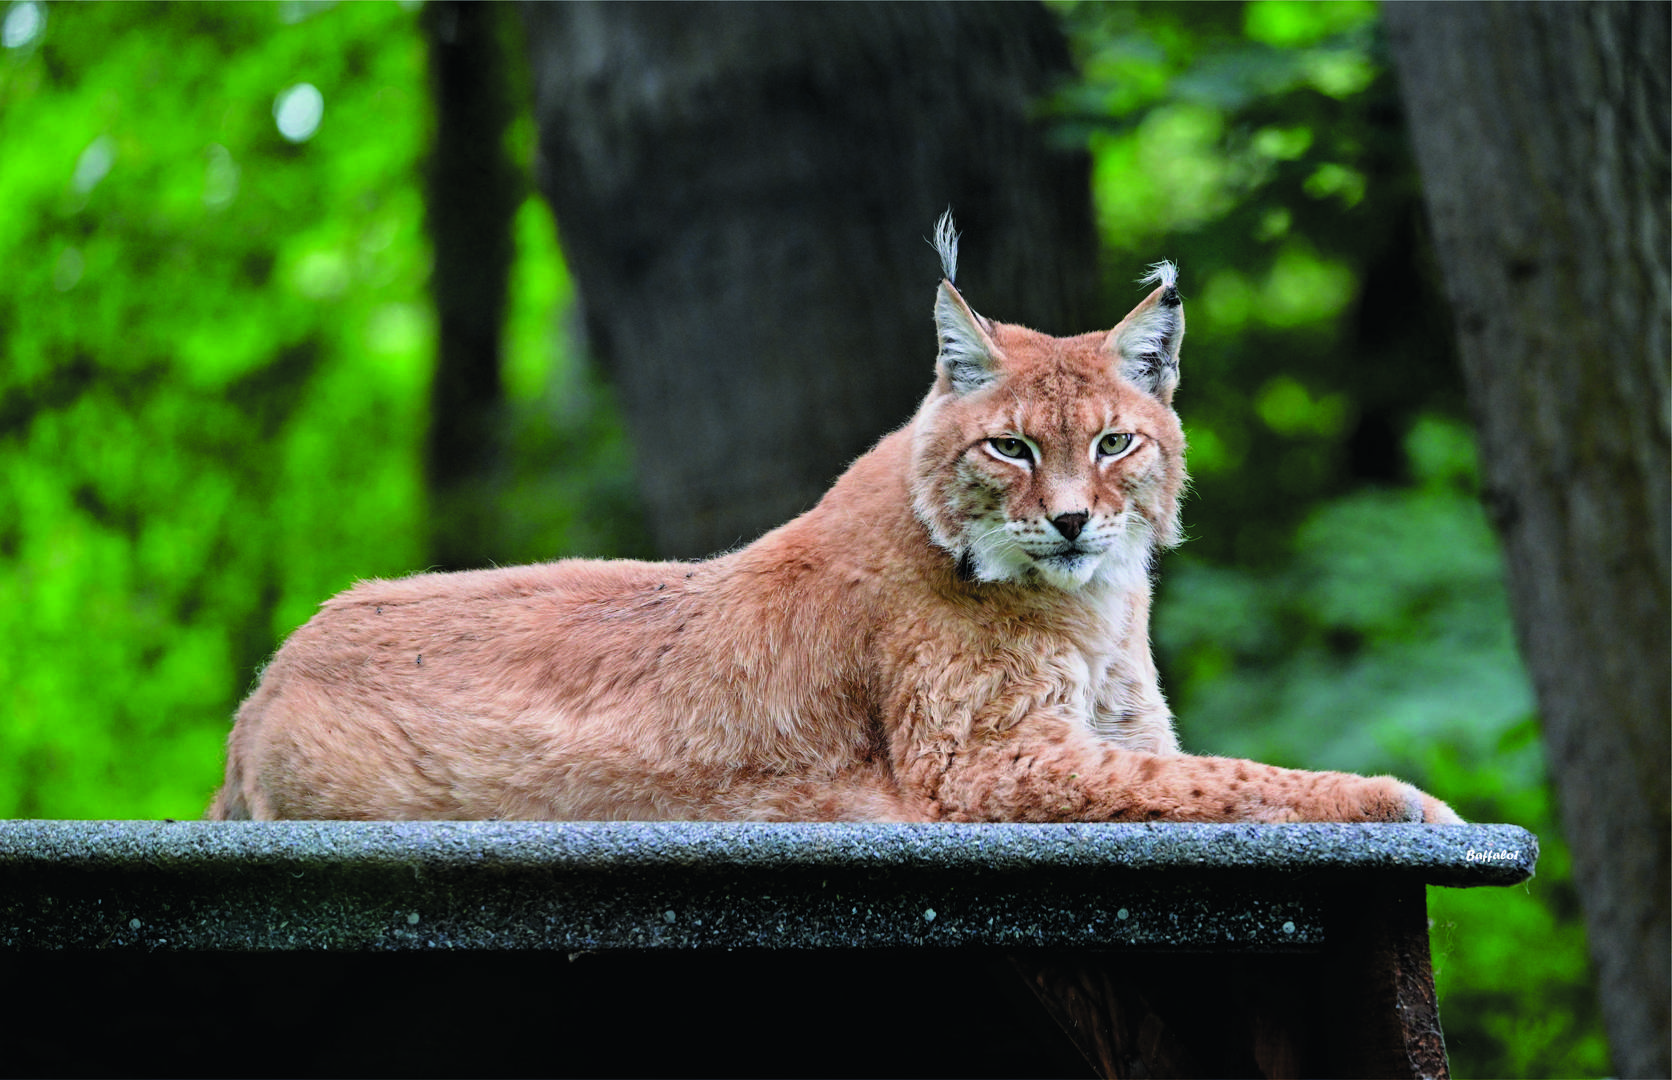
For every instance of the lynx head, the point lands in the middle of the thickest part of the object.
(1051, 461)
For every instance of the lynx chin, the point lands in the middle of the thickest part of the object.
(958, 631)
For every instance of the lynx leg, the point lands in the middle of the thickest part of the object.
(1044, 769)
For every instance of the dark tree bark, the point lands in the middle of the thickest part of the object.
(743, 193)
(1541, 132)
(471, 195)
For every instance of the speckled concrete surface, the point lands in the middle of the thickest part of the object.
(582, 887)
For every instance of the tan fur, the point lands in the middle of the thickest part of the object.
(922, 645)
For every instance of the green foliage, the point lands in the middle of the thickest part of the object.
(1340, 603)
(1385, 629)
(216, 343)
(217, 349)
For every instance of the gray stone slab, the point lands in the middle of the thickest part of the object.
(592, 886)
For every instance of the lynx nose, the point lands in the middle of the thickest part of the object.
(1070, 524)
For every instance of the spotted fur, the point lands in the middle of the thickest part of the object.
(958, 631)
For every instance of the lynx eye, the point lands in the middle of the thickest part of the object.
(1009, 446)
(1114, 444)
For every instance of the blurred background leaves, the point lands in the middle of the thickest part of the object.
(217, 340)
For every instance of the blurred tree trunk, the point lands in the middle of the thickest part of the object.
(744, 192)
(471, 196)
(1542, 136)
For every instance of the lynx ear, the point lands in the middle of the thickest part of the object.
(968, 357)
(1145, 345)
(967, 353)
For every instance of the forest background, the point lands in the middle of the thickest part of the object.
(218, 342)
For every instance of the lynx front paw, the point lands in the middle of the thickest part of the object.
(1394, 800)
(1435, 812)
(1267, 794)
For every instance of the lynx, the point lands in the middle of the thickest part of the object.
(958, 631)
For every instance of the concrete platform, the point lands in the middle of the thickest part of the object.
(587, 886)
